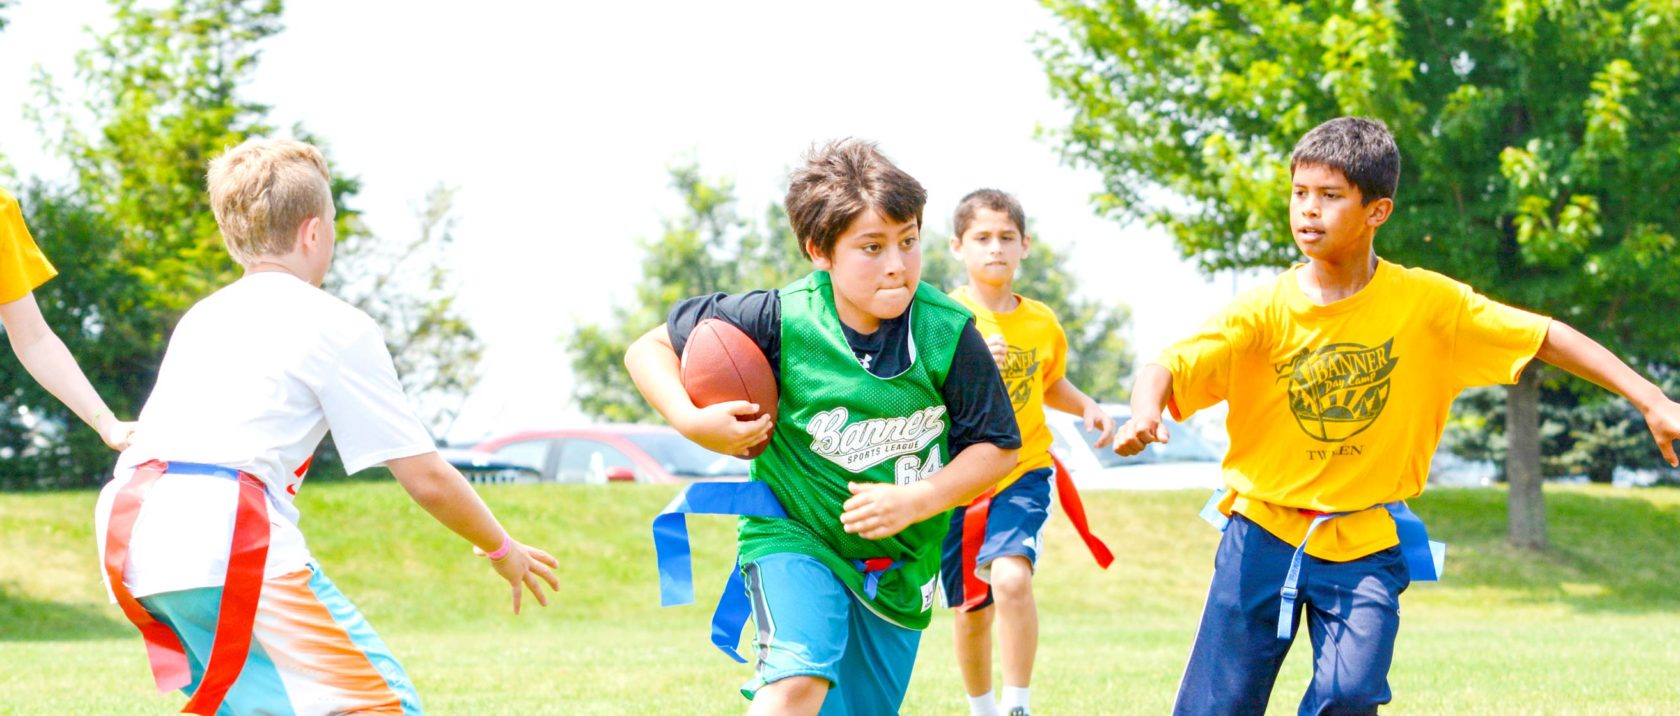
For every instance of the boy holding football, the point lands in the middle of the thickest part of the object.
(891, 411)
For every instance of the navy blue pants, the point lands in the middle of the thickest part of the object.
(1013, 524)
(1352, 612)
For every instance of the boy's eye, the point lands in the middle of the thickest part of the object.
(908, 242)
(1332, 195)
(871, 248)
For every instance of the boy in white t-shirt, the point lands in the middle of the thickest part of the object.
(254, 376)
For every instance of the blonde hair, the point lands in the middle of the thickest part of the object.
(262, 190)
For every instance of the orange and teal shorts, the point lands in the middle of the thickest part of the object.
(311, 652)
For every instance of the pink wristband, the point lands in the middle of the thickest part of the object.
(502, 551)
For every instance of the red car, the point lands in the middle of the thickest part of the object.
(614, 453)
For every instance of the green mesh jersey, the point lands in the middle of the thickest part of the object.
(838, 423)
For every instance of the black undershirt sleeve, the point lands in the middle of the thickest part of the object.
(976, 399)
(757, 313)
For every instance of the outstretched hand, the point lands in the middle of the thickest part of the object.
(1664, 422)
(522, 567)
(1097, 418)
(719, 428)
(1138, 432)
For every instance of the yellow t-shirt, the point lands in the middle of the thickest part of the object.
(1337, 408)
(23, 267)
(1037, 358)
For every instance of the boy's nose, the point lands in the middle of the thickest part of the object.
(895, 261)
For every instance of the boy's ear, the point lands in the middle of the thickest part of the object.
(1378, 212)
(1026, 244)
(308, 230)
(955, 243)
(817, 258)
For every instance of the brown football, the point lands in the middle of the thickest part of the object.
(721, 363)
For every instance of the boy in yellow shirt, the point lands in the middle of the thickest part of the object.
(1339, 374)
(23, 268)
(995, 539)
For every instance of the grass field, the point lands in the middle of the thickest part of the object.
(1592, 627)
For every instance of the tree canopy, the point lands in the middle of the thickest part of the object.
(1538, 139)
(137, 244)
(1533, 136)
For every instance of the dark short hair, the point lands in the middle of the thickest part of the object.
(993, 199)
(1361, 149)
(841, 180)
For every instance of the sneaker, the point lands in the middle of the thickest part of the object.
(1018, 711)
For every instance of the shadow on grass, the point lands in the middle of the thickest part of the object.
(1609, 553)
(26, 619)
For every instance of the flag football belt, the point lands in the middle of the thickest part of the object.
(1424, 557)
(676, 563)
(974, 534)
(247, 558)
(872, 570)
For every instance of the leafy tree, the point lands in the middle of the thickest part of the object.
(407, 288)
(711, 248)
(163, 99)
(101, 316)
(1584, 432)
(137, 241)
(1535, 136)
(706, 249)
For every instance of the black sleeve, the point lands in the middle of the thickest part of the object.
(757, 313)
(976, 399)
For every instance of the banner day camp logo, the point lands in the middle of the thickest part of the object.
(1337, 391)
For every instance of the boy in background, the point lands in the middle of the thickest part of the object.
(994, 559)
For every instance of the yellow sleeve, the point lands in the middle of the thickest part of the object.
(1201, 364)
(23, 267)
(1058, 354)
(1492, 341)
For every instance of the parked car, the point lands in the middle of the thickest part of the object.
(1187, 461)
(486, 469)
(1449, 470)
(614, 453)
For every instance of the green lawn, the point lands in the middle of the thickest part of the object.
(1591, 628)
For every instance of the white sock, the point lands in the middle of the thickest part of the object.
(983, 705)
(1016, 696)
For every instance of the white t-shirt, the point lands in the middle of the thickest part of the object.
(254, 376)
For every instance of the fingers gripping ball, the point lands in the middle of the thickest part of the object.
(720, 363)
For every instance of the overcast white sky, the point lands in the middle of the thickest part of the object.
(556, 121)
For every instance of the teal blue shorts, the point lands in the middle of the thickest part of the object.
(810, 624)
